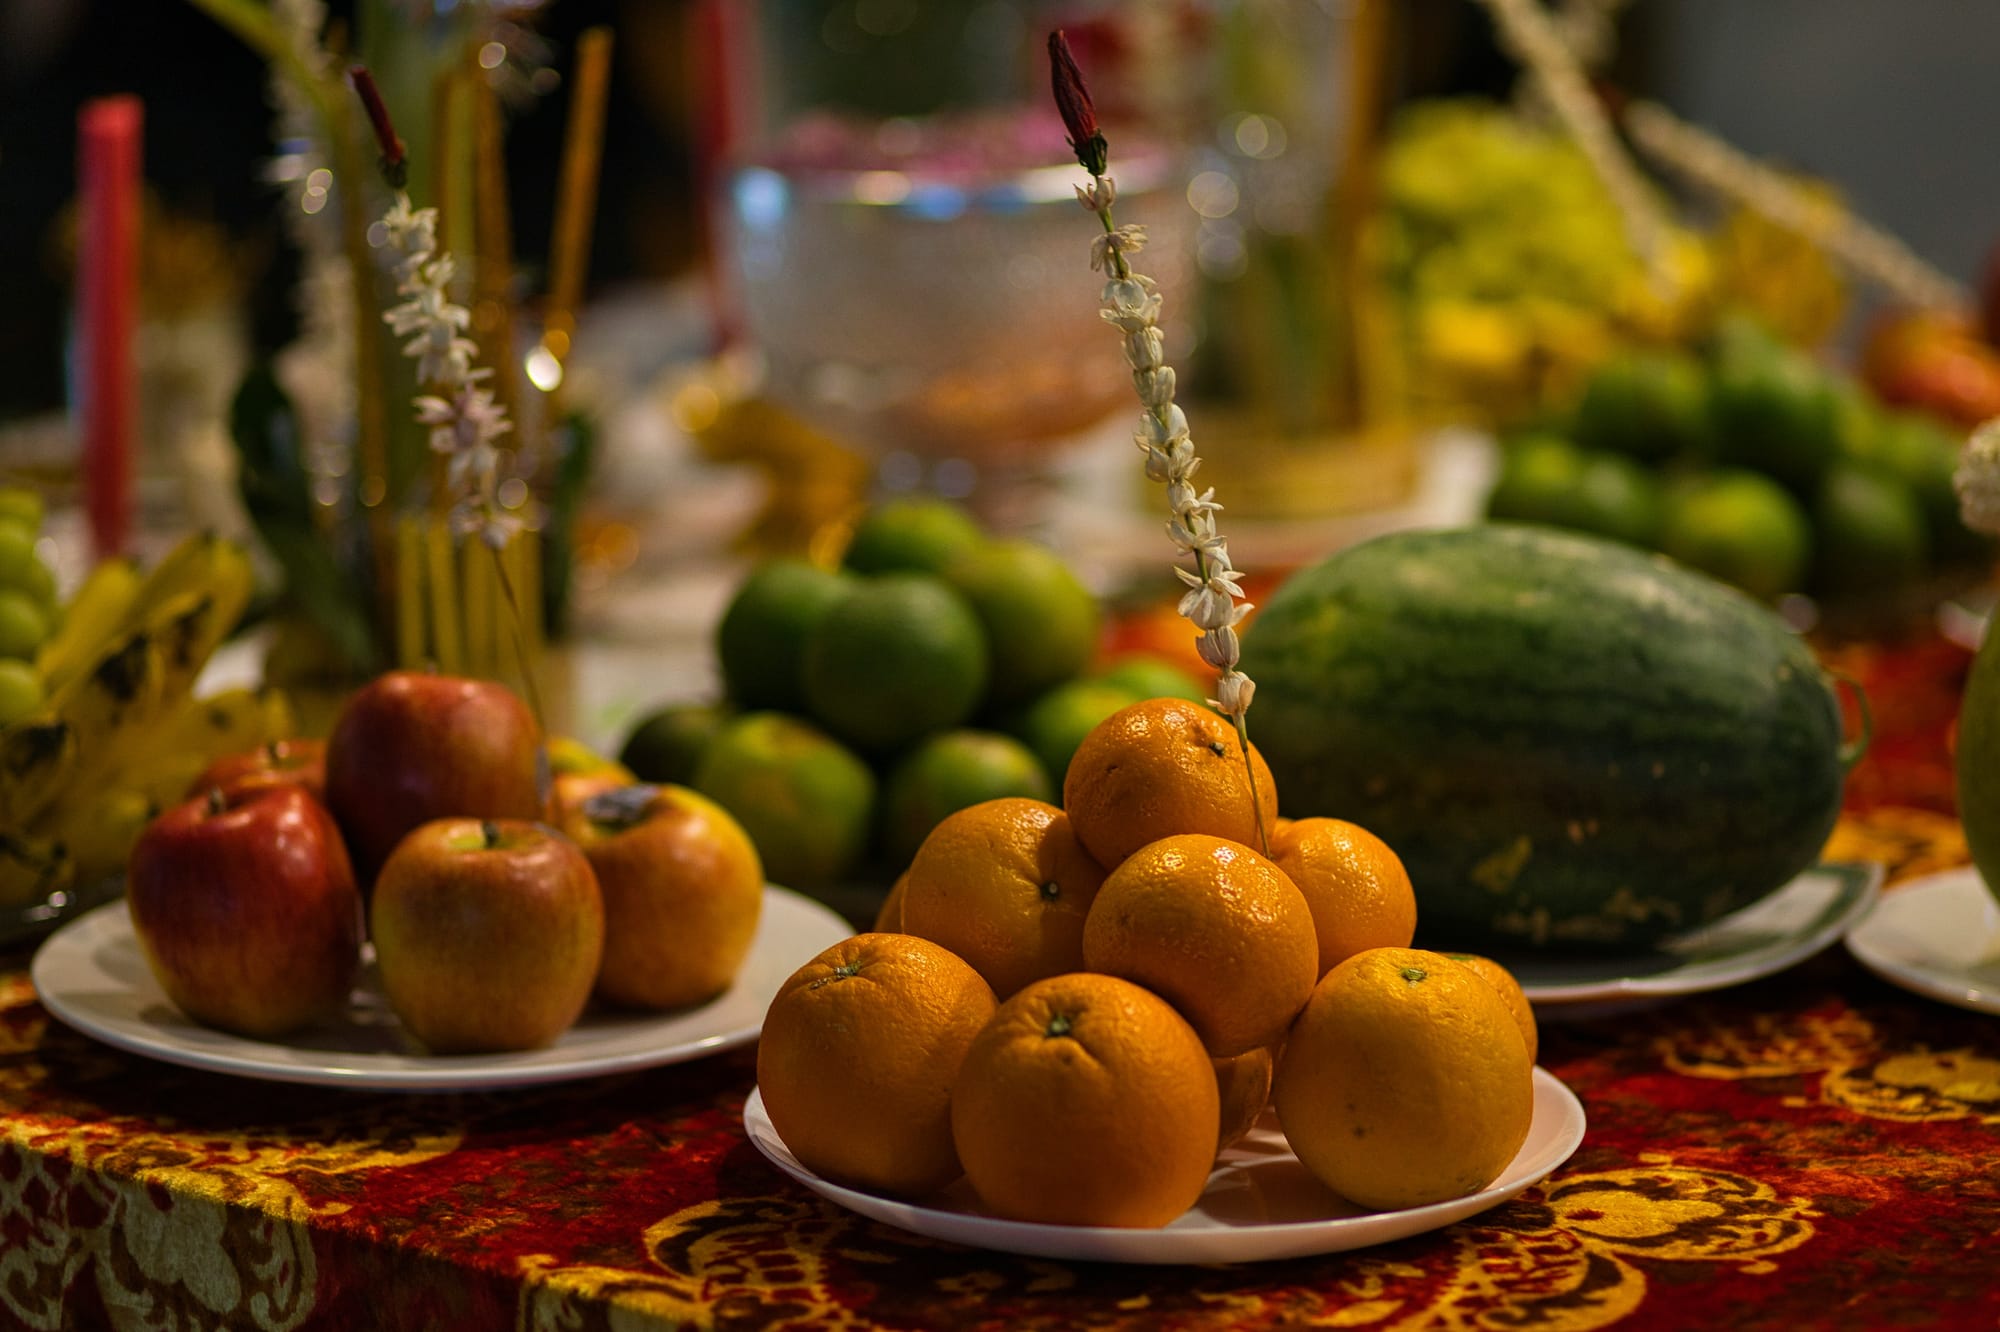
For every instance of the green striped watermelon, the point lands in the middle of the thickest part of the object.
(1570, 743)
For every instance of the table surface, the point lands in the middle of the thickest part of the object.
(1813, 1149)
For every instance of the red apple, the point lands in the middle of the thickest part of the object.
(246, 909)
(682, 890)
(488, 933)
(280, 763)
(411, 747)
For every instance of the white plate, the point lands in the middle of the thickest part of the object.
(1938, 936)
(1260, 1202)
(92, 975)
(1782, 930)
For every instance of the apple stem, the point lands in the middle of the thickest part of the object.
(216, 804)
(491, 832)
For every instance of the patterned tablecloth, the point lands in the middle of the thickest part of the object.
(1815, 1149)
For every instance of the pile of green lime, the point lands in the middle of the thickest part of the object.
(937, 667)
(1751, 462)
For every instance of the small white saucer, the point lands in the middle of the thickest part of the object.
(1938, 936)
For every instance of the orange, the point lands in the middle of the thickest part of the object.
(1503, 980)
(1006, 886)
(1244, 1084)
(859, 1052)
(889, 916)
(1086, 1101)
(1216, 930)
(1160, 767)
(1405, 1081)
(1358, 890)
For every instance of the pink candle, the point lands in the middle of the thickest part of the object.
(107, 295)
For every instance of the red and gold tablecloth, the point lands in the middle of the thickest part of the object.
(1817, 1149)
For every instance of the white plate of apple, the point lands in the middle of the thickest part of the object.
(501, 952)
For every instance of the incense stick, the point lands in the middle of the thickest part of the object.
(576, 201)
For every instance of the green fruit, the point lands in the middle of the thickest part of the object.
(1567, 742)
(761, 641)
(1922, 454)
(1041, 623)
(40, 584)
(912, 536)
(1151, 677)
(20, 691)
(17, 552)
(1777, 416)
(1537, 477)
(666, 746)
(1868, 533)
(1614, 497)
(806, 802)
(1056, 723)
(945, 774)
(899, 657)
(1741, 527)
(23, 624)
(21, 505)
(1651, 405)
(1741, 341)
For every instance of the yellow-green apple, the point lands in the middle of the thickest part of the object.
(682, 891)
(245, 906)
(279, 763)
(412, 746)
(488, 933)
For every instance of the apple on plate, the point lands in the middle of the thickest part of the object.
(682, 891)
(279, 763)
(412, 746)
(577, 773)
(245, 906)
(488, 934)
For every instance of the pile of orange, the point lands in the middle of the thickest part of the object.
(1079, 1009)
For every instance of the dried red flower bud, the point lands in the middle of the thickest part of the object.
(394, 161)
(1079, 115)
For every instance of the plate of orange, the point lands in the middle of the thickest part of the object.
(1260, 1204)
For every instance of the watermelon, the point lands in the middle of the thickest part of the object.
(1570, 743)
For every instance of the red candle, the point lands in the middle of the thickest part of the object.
(107, 295)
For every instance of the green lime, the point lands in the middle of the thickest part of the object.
(805, 800)
(897, 658)
(1923, 454)
(1041, 623)
(1615, 497)
(1152, 677)
(945, 774)
(1868, 533)
(1055, 724)
(1742, 528)
(17, 552)
(667, 745)
(20, 505)
(20, 691)
(1778, 416)
(1537, 476)
(761, 641)
(1651, 405)
(1740, 340)
(23, 624)
(912, 536)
